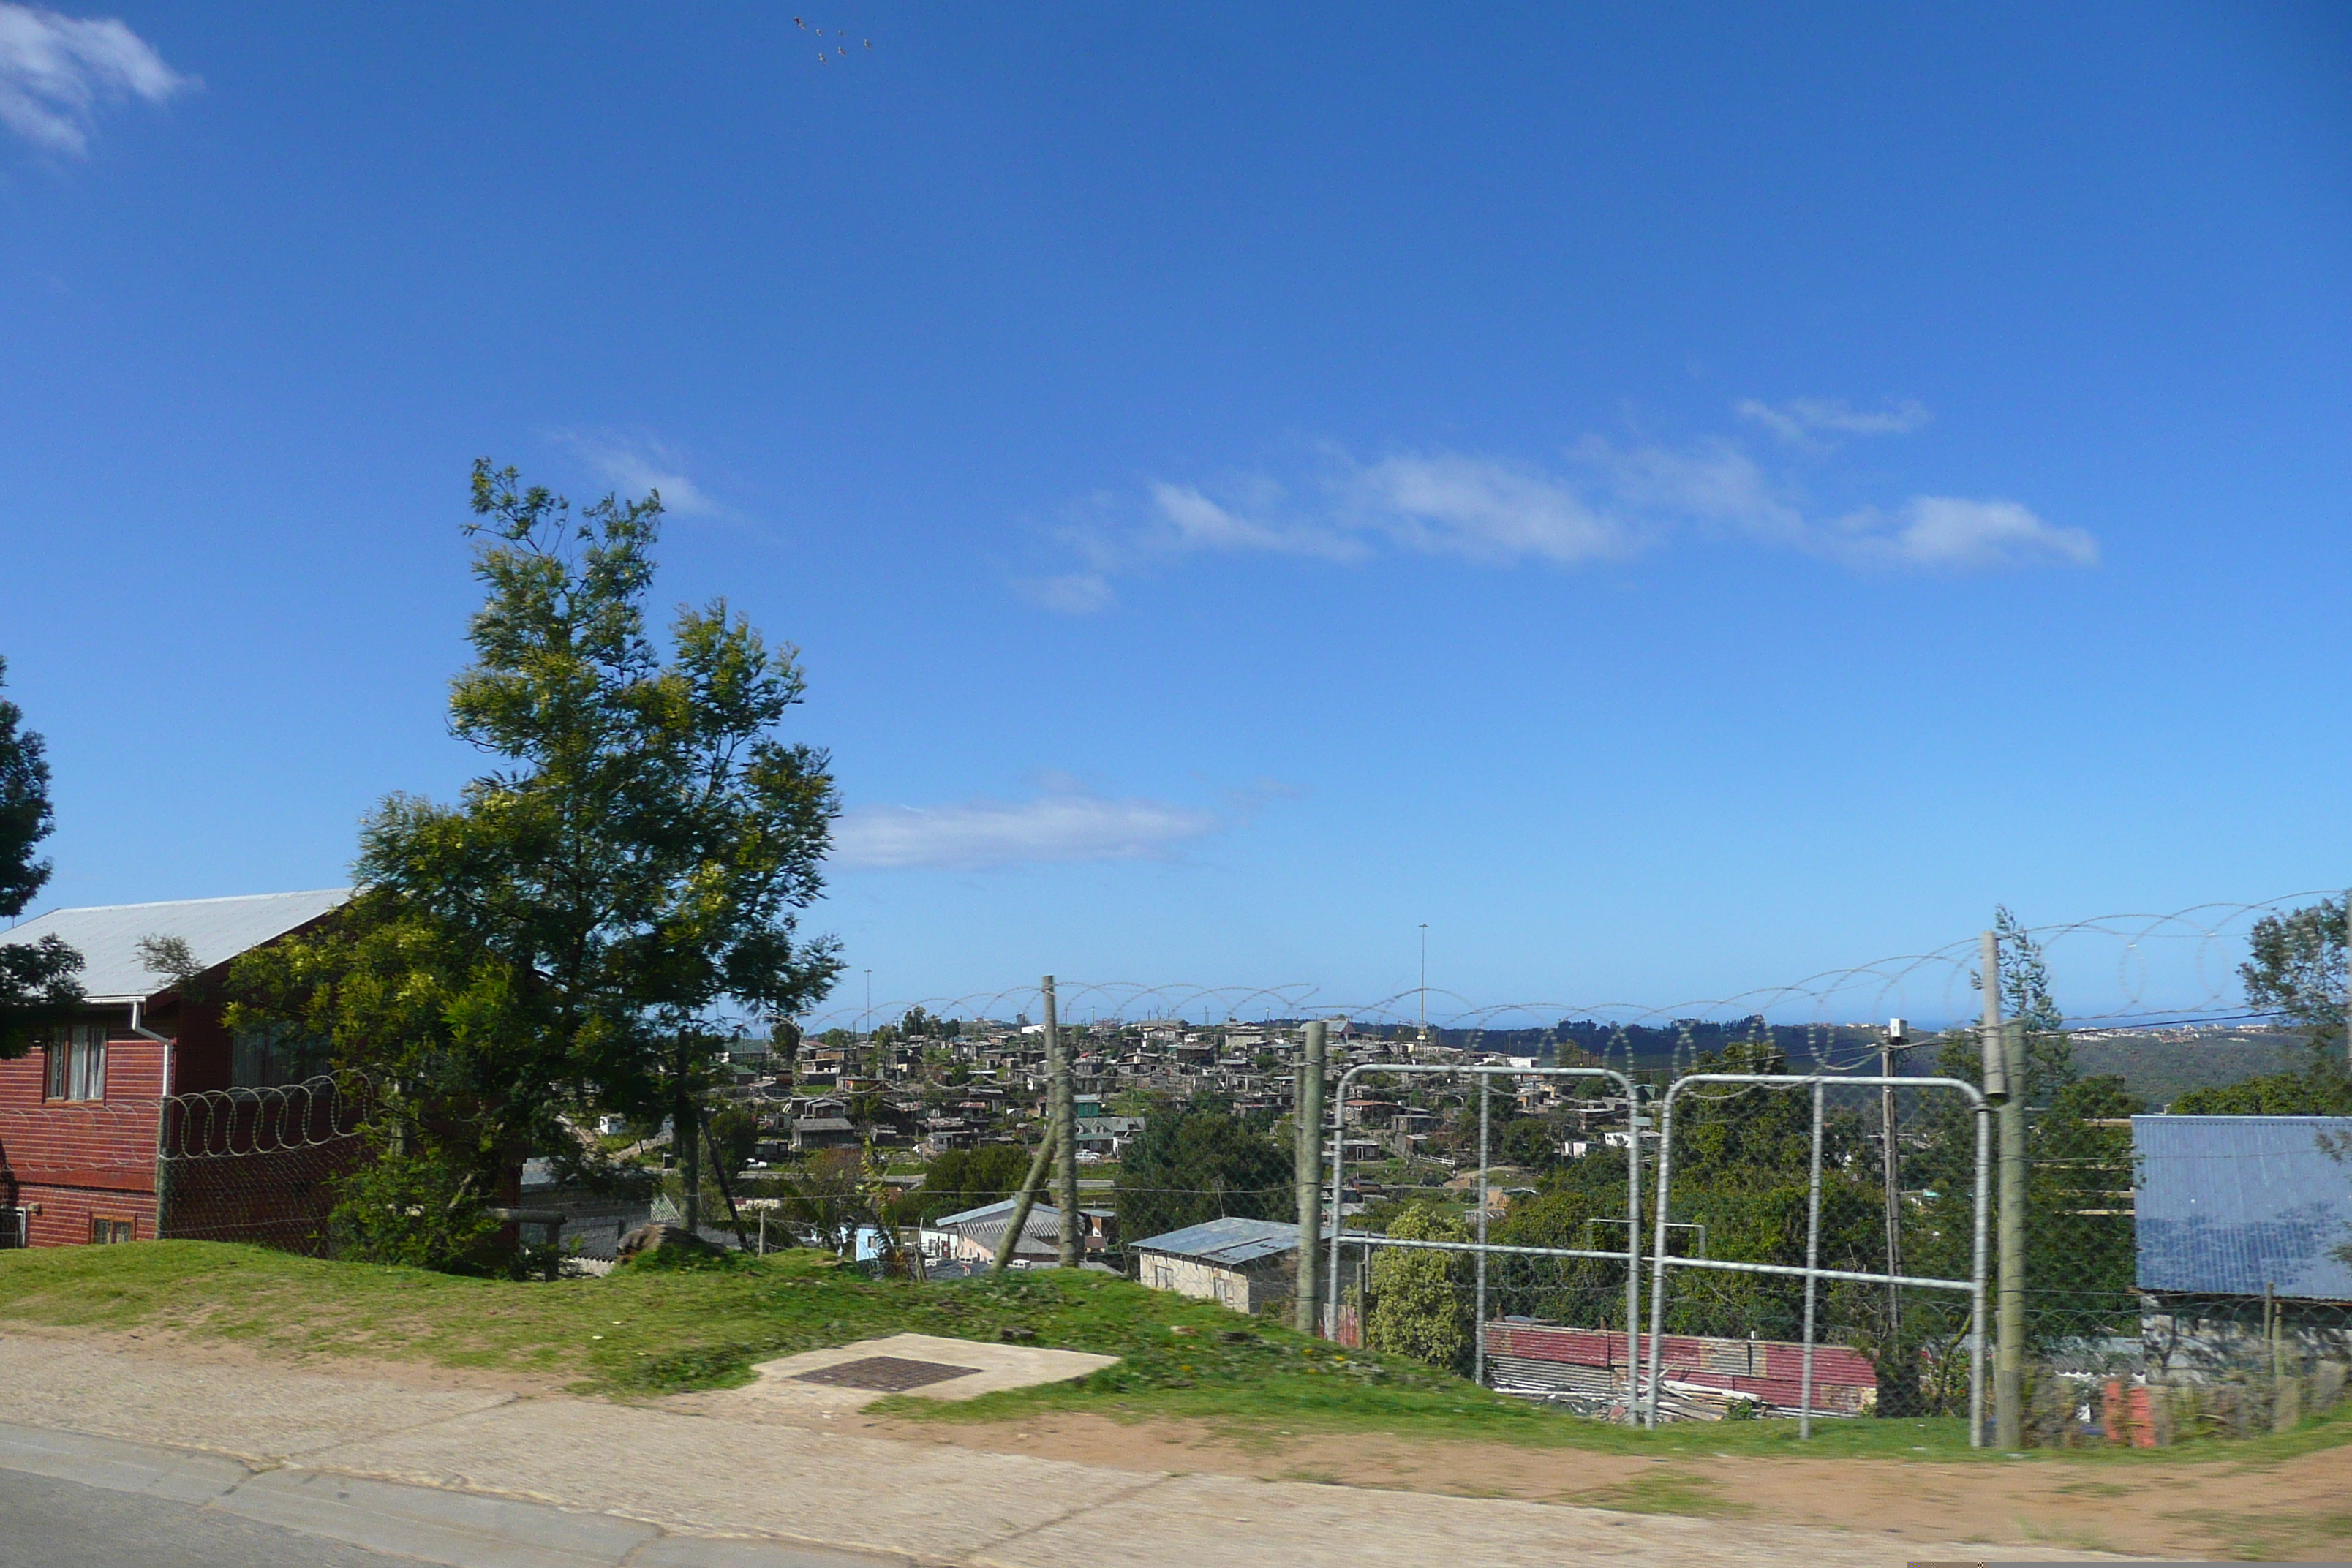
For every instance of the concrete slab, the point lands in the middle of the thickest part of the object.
(994, 1367)
(697, 1475)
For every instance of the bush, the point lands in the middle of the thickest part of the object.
(1418, 1306)
(420, 1209)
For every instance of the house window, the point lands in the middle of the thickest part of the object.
(273, 1055)
(104, 1229)
(77, 1062)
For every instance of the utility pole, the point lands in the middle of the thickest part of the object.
(1309, 1120)
(1423, 1039)
(2002, 1053)
(2347, 977)
(685, 1143)
(1066, 1131)
(1892, 1161)
(1027, 1201)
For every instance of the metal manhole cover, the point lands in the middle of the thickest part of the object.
(888, 1374)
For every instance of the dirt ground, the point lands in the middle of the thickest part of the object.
(2292, 1510)
(2278, 1511)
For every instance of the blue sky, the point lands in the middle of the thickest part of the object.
(1673, 499)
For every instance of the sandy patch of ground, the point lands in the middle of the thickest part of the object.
(2285, 1510)
(197, 1350)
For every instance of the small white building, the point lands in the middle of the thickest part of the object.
(1244, 1264)
(973, 1235)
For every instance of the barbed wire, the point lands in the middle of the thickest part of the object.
(125, 1133)
(2192, 953)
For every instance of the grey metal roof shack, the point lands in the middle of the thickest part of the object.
(2239, 1221)
(1245, 1264)
(1230, 1242)
(2236, 1206)
(977, 1232)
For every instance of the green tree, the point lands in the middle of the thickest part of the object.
(1531, 1142)
(2296, 969)
(1200, 1162)
(37, 987)
(963, 1179)
(1419, 1307)
(635, 860)
(733, 1134)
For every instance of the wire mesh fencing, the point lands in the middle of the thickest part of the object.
(255, 1165)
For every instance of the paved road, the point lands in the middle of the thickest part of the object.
(47, 1523)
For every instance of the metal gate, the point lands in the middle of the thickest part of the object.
(1812, 1273)
(1630, 1255)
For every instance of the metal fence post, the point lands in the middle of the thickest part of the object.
(1309, 1161)
(1891, 1173)
(1658, 1257)
(1812, 1261)
(1478, 1351)
(1977, 1277)
(1633, 1247)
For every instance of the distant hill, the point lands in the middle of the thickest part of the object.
(2162, 1065)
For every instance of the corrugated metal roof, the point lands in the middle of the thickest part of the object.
(999, 1210)
(216, 930)
(1042, 1230)
(1229, 1240)
(2228, 1204)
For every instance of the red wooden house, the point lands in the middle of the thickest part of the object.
(145, 1117)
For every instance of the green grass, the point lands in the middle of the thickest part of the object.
(646, 1330)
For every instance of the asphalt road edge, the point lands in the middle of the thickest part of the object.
(430, 1524)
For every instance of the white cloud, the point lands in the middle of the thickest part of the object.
(1611, 502)
(1072, 592)
(1715, 484)
(636, 466)
(57, 72)
(1491, 513)
(1955, 533)
(1200, 524)
(1067, 823)
(1799, 419)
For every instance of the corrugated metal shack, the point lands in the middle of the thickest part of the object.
(1245, 1264)
(2243, 1227)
